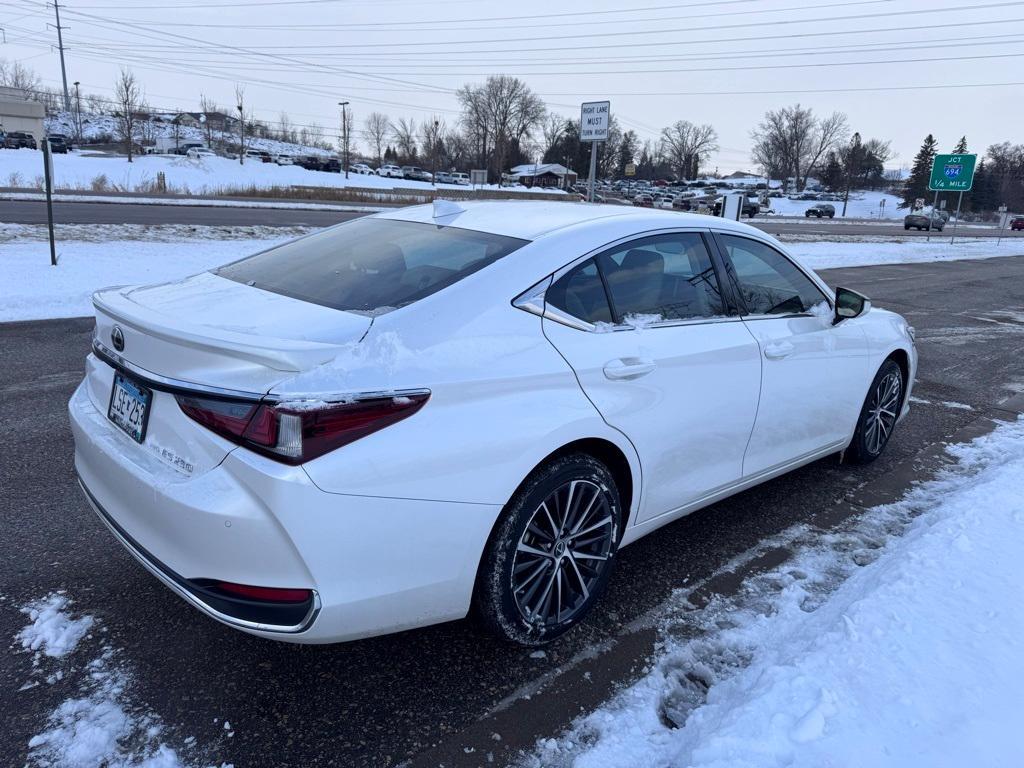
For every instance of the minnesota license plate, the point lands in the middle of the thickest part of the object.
(129, 406)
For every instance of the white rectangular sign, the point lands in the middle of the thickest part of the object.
(594, 120)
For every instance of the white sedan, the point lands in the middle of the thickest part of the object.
(448, 409)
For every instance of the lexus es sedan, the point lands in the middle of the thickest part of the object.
(464, 409)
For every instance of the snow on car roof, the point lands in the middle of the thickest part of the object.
(532, 219)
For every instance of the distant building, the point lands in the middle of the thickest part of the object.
(544, 175)
(19, 113)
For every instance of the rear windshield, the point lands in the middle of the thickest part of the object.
(370, 265)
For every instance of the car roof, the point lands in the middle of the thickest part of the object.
(533, 219)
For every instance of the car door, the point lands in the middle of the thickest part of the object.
(664, 359)
(814, 374)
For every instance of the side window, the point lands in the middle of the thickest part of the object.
(668, 276)
(580, 293)
(769, 283)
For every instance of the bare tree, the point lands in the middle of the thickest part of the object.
(500, 114)
(128, 95)
(207, 107)
(404, 134)
(432, 140)
(14, 74)
(242, 116)
(792, 141)
(552, 130)
(375, 128)
(686, 146)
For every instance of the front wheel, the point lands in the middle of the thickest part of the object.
(552, 552)
(878, 415)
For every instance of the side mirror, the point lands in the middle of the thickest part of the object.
(849, 304)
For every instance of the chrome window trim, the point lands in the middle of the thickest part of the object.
(532, 299)
(180, 386)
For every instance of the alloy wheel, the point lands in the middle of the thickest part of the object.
(882, 411)
(562, 553)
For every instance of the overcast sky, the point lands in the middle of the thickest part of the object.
(722, 62)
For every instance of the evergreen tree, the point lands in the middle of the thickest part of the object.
(920, 172)
(961, 146)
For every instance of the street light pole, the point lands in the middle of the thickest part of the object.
(78, 114)
(344, 133)
(854, 148)
(241, 135)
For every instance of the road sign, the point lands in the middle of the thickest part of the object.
(594, 120)
(952, 173)
(630, 169)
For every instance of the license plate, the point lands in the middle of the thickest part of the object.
(129, 406)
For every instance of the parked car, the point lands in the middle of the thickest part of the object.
(304, 429)
(644, 200)
(57, 145)
(197, 153)
(390, 171)
(283, 159)
(415, 173)
(821, 209)
(332, 165)
(361, 168)
(924, 220)
(258, 155)
(443, 177)
(19, 140)
(1017, 224)
(461, 179)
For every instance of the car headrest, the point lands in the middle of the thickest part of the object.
(643, 260)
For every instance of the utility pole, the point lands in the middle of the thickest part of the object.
(60, 47)
(344, 133)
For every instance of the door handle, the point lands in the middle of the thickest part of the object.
(628, 368)
(778, 350)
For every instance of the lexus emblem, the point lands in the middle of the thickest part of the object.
(117, 338)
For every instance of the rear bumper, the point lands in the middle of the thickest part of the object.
(375, 565)
(194, 594)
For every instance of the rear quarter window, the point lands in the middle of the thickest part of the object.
(371, 264)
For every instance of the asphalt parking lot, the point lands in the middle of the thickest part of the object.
(380, 702)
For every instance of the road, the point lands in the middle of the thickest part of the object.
(381, 701)
(32, 212)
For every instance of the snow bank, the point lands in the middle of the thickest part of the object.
(34, 290)
(93, 257)
(206, 175)
(829, 255)
(914, 660)
(52, 632)
(98, 727)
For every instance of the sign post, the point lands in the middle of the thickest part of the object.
(48, 179)
(953, 173)
(594, 118)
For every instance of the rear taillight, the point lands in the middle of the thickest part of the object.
(299, 431)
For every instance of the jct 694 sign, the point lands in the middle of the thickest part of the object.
(952, 173)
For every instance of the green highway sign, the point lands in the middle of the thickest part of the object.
(952, 173)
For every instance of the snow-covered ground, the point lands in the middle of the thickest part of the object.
(99, 725)
(862, 205)
(193, 202)
(862, 650)
(206, 175)
(92, 257)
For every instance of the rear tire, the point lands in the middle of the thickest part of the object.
(551, 553)
(878, 415)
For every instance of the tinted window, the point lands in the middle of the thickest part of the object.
(666, 275)
(580, 293)
(768, 282)
(370, 264)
